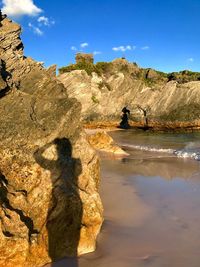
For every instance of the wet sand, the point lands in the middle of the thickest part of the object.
(152, 213)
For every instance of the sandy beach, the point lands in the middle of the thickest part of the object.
(152, 215)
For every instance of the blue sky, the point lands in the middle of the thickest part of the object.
(164, 35)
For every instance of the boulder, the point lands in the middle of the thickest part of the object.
(104, 142)
(152, 74)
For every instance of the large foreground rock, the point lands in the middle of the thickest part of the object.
(49, 174)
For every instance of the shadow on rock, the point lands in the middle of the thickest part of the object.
(67, 262)
(65, 209)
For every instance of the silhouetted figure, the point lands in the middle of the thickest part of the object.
(63, 227)
(124, 122)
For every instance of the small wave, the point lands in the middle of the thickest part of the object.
(187, 154)
(184, 153)
(151, 149)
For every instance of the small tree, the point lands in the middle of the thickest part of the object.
(145, 111)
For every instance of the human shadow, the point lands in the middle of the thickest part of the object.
(65, 209)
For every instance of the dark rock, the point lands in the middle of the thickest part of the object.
(2, 16)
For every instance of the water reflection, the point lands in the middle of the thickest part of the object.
(149, 221)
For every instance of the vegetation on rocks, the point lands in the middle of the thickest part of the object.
(94, 99)
(149, 76)
(120, 83)
(184, 76)
(100, 67)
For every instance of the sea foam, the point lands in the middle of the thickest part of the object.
(181, 153)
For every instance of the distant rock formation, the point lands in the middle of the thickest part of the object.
(84, 58)
(170, 101)
(49, 174)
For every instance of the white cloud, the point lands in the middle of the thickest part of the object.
(191, 59)
(145, 47)
(73, 48)
(35, 29)
(128, 47)
(17, 8)
(97, 52)
(45, 21)
(123, 48)
(38, 31)
(83, 45)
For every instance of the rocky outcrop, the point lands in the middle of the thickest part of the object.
(100, 140)
(84, 58)
(49, 174)
(154, 100)
(11, 53)
(52, 70)
(152, 74)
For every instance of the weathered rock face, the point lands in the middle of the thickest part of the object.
(11, 53)
(100, 140)
(49, 174)
(164, 103)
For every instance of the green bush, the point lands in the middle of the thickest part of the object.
(88, 67)
(94, 99)
(184, 76)
(103, 67)
(124, 68)
(149, 82)
(99, 68)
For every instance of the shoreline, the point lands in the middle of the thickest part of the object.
(168, 127)
(139, 214)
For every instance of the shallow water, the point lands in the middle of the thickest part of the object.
(152, 204)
